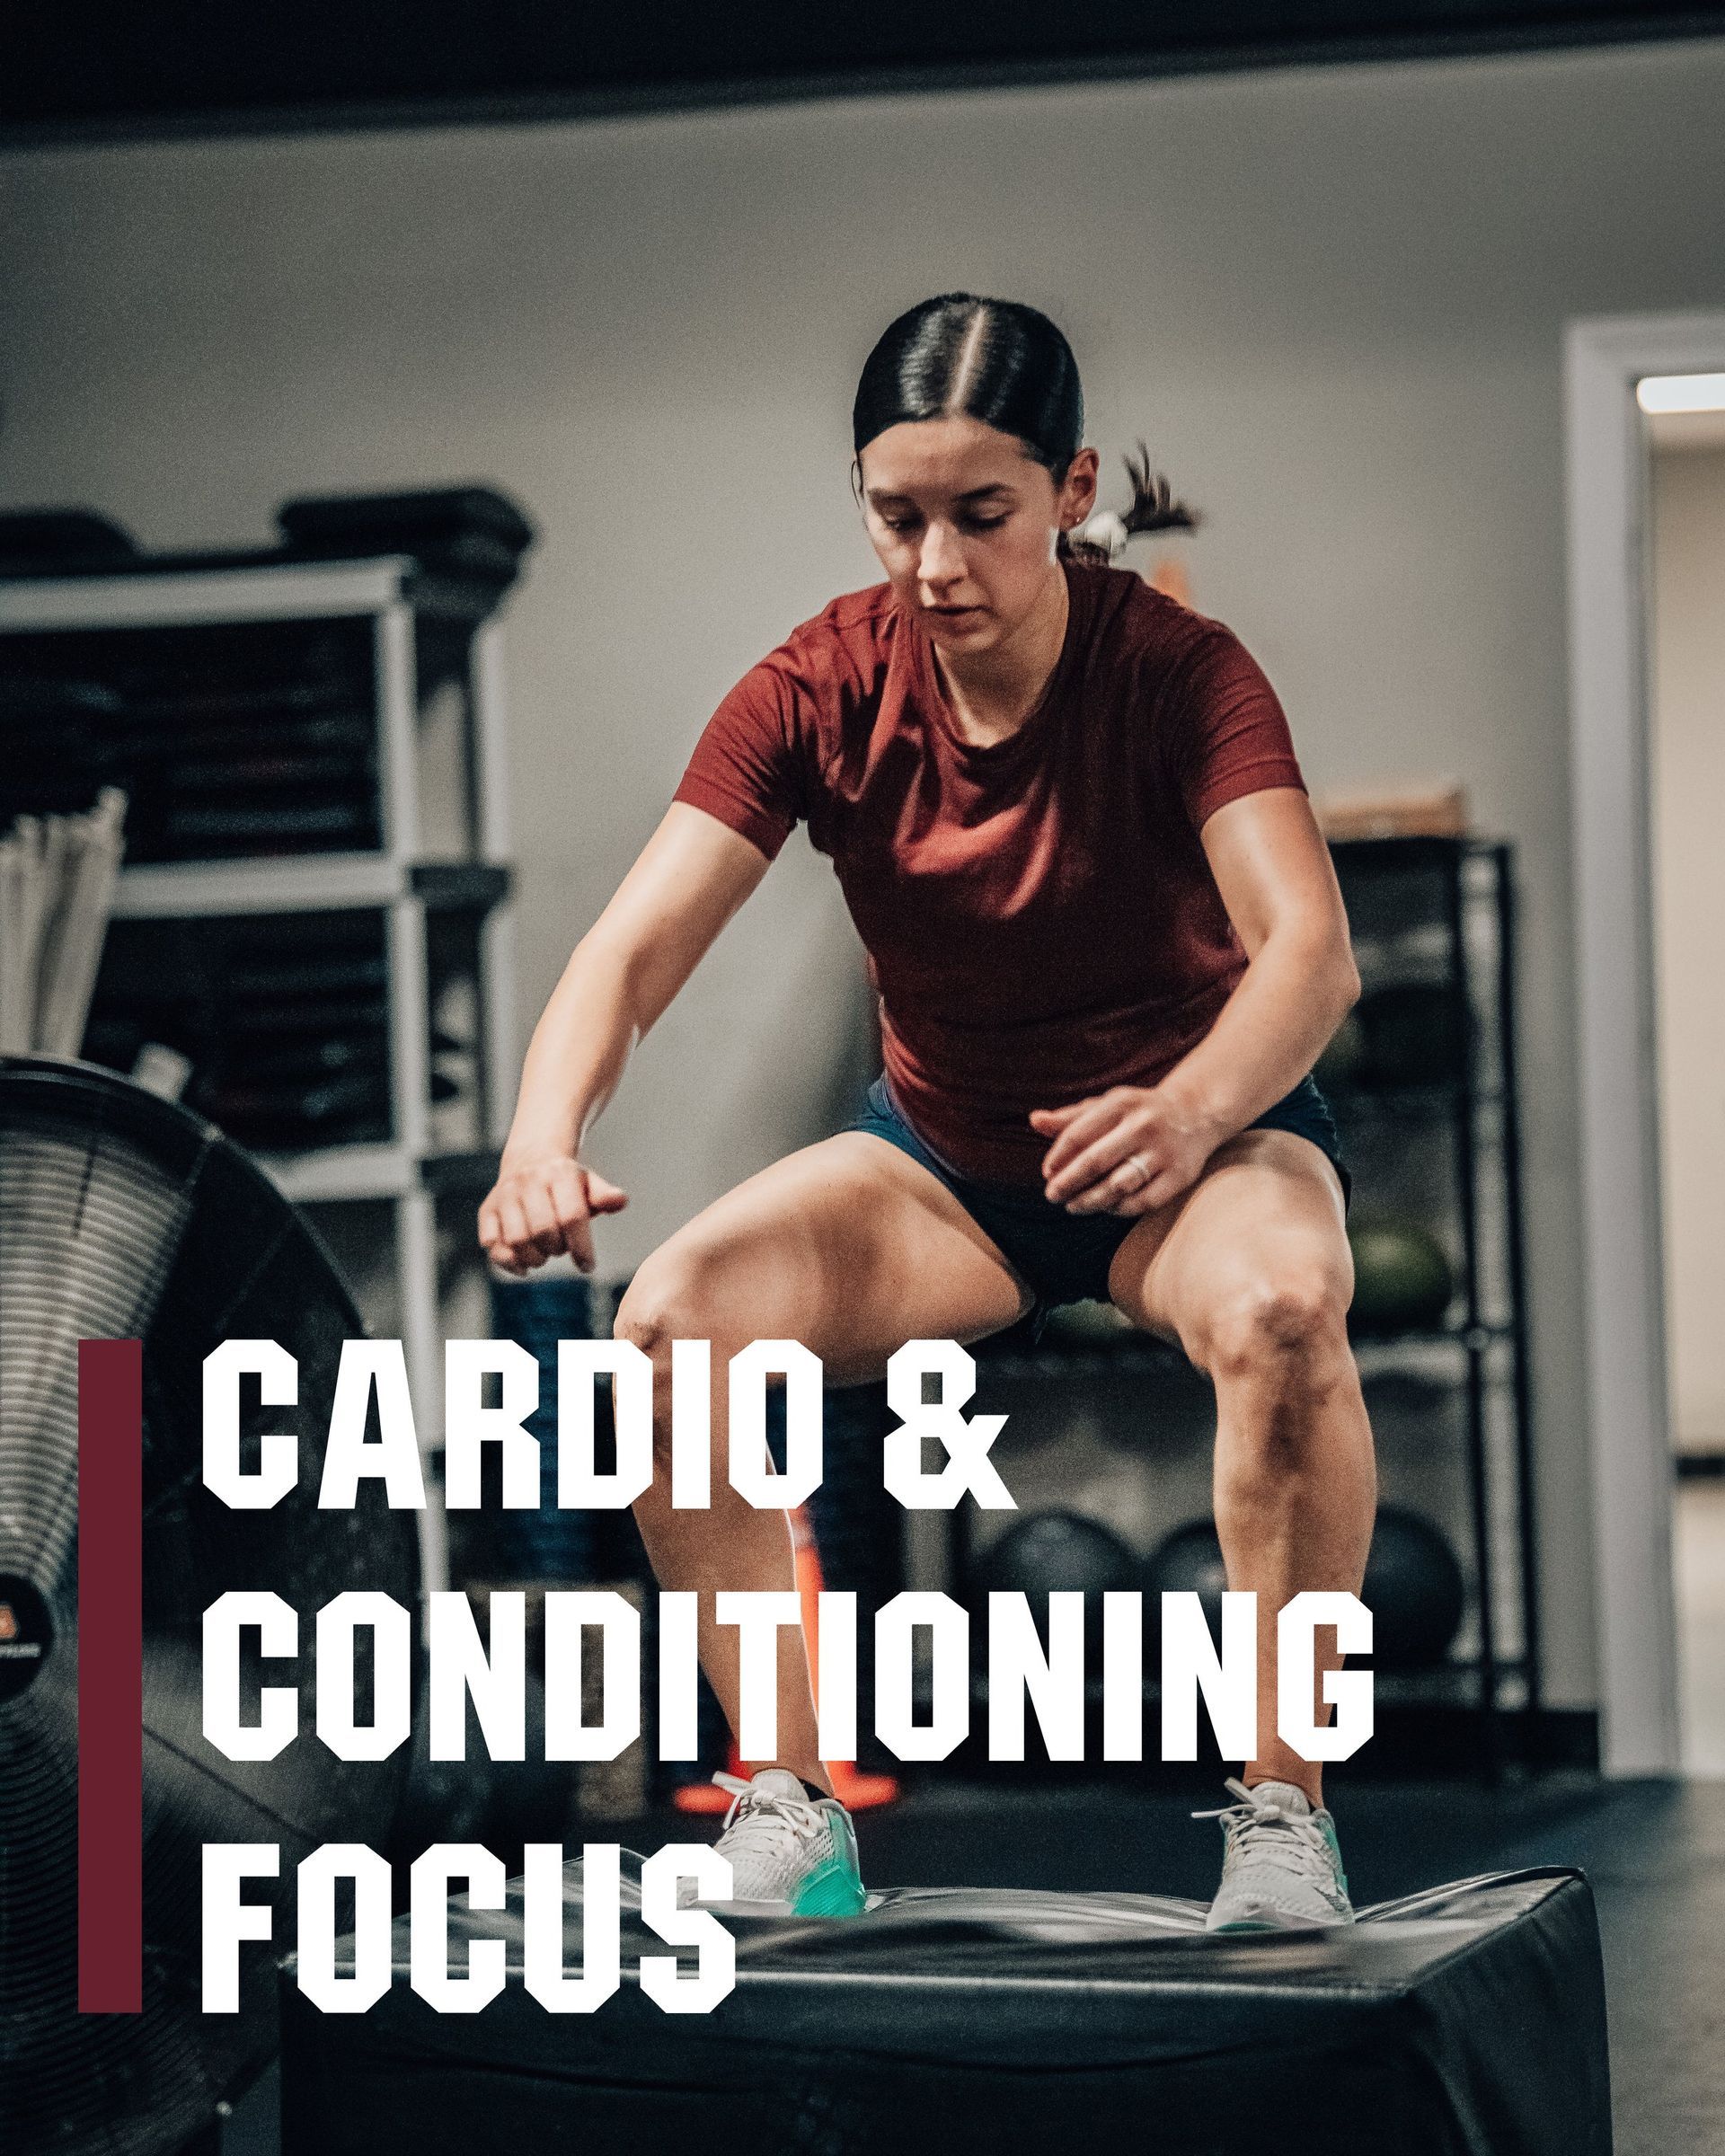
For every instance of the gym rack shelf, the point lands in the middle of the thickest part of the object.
(1439, 913)
(213, 673)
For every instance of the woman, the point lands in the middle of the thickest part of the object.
(1108, 945)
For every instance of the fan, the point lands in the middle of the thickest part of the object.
(124, 1217)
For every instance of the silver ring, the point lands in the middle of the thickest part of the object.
(1137, 1160)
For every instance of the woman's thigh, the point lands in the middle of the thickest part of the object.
(849, 1246)
(1259, 1239)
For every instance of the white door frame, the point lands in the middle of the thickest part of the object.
(1607, 469)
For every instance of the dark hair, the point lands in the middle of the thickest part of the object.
(1007, 364)
(990, 360)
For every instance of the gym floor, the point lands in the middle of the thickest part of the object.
(1654, 1850)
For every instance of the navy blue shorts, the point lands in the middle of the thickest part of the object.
(1064, 1256)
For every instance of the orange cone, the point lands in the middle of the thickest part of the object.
(703, 1796)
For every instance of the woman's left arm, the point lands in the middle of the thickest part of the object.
(1276, 881)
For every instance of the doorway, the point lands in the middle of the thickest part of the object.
(1683, 426)
(1646, 432)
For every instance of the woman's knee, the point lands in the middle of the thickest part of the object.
(669, 1299)
(1284, 1324)
(673, 1296)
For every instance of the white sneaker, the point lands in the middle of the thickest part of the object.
(1282, 1866)
(790, 1855)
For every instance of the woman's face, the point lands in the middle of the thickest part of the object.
(965, 522)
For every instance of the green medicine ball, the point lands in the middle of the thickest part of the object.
(1403, 1281)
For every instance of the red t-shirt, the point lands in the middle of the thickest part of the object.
(1039, 918)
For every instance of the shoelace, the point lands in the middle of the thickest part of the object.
(767, 1822)
(1258, 1825)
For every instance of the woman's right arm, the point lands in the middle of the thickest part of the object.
(691, 877)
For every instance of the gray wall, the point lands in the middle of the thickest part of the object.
(1330, 301)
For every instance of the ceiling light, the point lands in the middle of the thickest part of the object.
(1681, 392)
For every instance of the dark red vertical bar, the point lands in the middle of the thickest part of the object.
(110, 1676)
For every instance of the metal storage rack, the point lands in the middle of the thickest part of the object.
(1442, 911)
(423, 639)
(1459, 937)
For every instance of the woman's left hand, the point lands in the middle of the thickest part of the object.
(1126, 1150)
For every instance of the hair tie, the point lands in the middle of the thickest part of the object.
(1153, 508)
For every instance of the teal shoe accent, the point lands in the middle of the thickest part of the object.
(790, 1852)
(834, 1888)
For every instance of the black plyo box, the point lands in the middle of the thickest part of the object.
(1469, 2021)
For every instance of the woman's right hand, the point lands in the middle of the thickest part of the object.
(542, 1206)
(692, 876)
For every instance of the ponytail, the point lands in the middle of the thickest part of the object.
(1153, 508)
